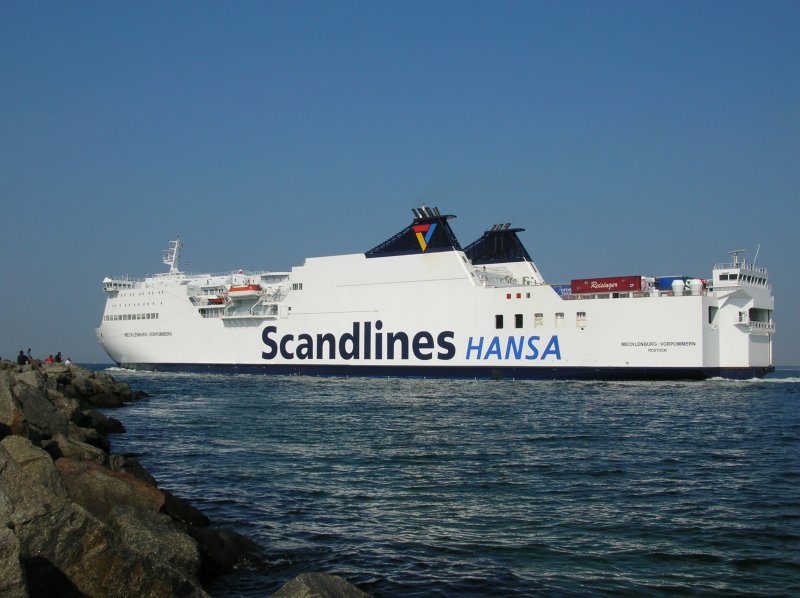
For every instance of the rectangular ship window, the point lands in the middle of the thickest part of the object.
(580, 318)
(538, 320)
(559, 319)
(498, 321)
(517, 320)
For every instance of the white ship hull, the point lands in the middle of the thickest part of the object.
(435, 313)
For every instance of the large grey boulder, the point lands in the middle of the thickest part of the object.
(72, 447)
(12, 416)
(28, 392)
(12, 576)
(130, 464)
(68, 551)
(99, 489)
(157, 537)
(36, 462)
(102, 423)
(319, 585)
(221, 550)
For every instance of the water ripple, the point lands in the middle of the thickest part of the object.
(464, 488)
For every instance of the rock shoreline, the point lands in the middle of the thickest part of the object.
(77, 520)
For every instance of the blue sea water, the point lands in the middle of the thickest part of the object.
(478, 488)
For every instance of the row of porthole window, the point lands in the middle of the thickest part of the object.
(538, 320)
(135, 304)
(117, 317)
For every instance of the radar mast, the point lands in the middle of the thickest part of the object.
(172, 255)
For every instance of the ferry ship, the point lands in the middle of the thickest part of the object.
(420, 305)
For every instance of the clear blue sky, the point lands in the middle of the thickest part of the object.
(626, 137)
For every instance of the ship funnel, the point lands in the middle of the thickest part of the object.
(426, 212)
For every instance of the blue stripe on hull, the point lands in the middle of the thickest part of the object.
(466, 372)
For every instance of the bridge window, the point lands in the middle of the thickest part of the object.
(498, 321)
(517, 320)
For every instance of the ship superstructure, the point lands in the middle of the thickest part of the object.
(419, 304)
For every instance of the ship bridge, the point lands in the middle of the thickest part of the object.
(746, 286)
(738, 272)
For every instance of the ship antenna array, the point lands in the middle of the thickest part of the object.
(735, 253)
(172, 254)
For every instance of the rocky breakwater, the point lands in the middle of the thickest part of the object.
(76, 520)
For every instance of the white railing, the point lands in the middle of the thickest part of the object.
(630, 295)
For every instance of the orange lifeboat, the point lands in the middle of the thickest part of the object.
(248, 290)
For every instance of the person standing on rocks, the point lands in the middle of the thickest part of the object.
(22, 359)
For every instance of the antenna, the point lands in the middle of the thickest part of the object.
(755, 258)
(735, 253)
